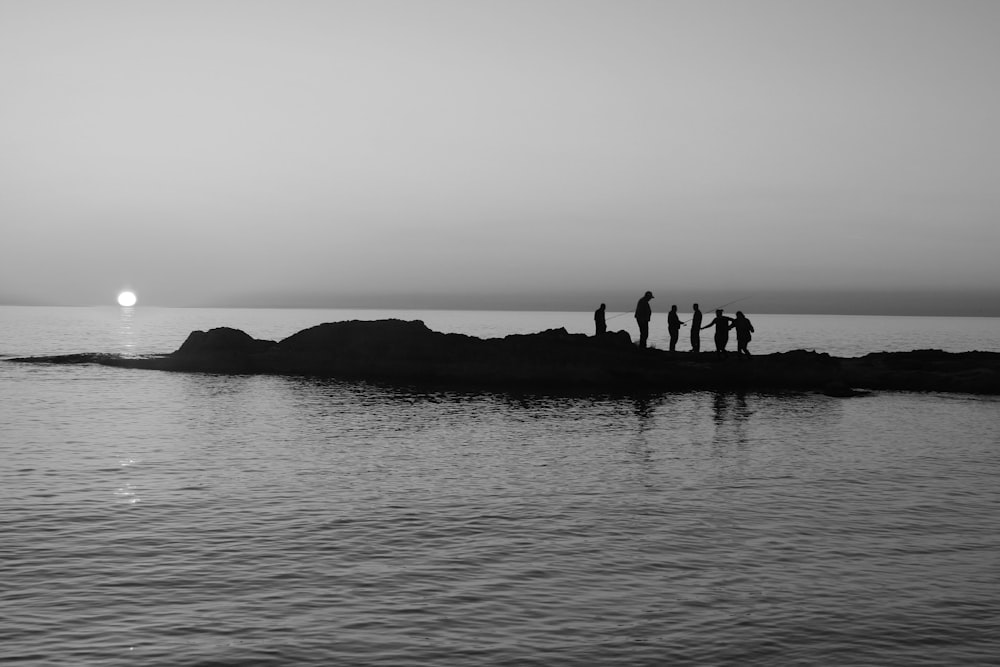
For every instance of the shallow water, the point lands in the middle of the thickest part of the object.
(159, 518)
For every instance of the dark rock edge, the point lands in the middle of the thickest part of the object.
(407, 352)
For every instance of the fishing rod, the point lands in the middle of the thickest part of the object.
(728, 303)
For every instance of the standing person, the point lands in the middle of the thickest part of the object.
(722, 326)
(600, 324)
(673, 327)
(743, 330)
(696, 329)
(643, 313)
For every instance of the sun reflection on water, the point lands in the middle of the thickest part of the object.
(127, 492)
(126, 331)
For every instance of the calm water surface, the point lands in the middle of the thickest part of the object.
(191, 519)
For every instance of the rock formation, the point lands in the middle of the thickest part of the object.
(408, 352)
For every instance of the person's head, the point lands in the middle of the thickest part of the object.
(739, 314)
(648, 295)
(719, 312)
(602, 307)
(673, 309)
(695, 306)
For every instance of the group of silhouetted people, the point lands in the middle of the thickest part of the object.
(722, 323)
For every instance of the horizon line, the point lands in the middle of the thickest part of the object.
(910, 304)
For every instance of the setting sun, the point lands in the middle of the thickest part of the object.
(126, 299)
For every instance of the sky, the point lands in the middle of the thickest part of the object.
(817, 156)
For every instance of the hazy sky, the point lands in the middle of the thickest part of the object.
(319, 153)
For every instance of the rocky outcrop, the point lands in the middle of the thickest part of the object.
(408, 352)
(928, 370)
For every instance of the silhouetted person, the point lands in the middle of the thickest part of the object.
(743, 331)
(600, 324)
(673, 327)
(722, 326)
(643, 313)
(696, 329)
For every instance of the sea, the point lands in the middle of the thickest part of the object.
(154, 518)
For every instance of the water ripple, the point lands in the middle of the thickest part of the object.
(215, 520)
